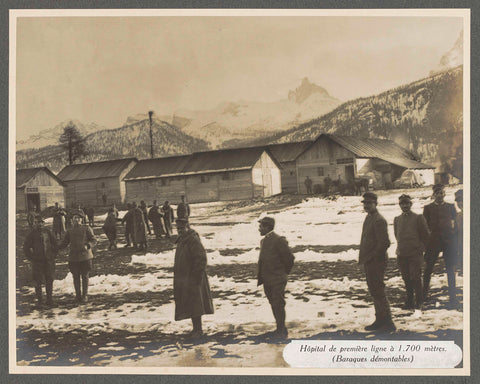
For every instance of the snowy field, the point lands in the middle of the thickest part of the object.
(129, 318)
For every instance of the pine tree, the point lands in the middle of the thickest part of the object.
(73, 141)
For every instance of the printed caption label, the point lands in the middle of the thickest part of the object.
(372, 354)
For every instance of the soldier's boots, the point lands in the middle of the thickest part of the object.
(382, 325)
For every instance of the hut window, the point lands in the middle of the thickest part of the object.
(204, 179)
(227, 176)
(164, 182)
(103, 185)
(320, 171)
(348, 160)
(292, 173)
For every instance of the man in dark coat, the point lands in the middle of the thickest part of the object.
(40, 248)
(139, 232)
(155, 216)
(441, 219)
(183, 209)
(143, 207)
(411, 232)
(274, 264)
(128, 221)
(81, 240)
(110, 229)
(308, 185)
(190, 283)
(168, 218)
(373, 256)
(90, 212)
(58, 221)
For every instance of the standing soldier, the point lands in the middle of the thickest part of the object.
(139, 232)
(274, 264)
(328, 182)
(110, 229)
(441, 219)
(183, 209)
(155, 217)
(128, 221)
(81, 240)
(168, 218)
(373, 256)
(143, 207)
(58, 221)
(40, 248)
(459, 200)
(190, 283)
(90, 212)
(411, 232)
(308, 185)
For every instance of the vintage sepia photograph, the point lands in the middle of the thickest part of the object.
(199, 189)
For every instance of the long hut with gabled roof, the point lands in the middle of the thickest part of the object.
(222, 175)
(96, 184)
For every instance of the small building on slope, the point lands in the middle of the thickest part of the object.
(38, 187)
(98, 183)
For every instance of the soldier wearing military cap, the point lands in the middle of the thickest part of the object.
(191, 290)
(411, 232)
(373, 256)
(441, 219)
(81, 240)
(274, 264)
(41, 248)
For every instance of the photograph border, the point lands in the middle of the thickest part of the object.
(468, 294)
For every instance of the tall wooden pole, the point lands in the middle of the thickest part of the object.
(150, 113)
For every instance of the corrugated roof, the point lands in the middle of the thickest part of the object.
(96, 170)
(23, 176)
(379, 148)
(223, 160)
(163, 166)
(288, 151)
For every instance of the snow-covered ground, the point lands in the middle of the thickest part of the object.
(316, 303)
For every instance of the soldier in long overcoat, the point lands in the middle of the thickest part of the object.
(128, 221)
(41, 248)
(58, 221)
(110, 229)
(168, 218)
(139, 231)
(190, 283)
(155, 216)
(143, 207)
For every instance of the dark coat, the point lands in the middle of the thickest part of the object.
(40, 245)
(183, 211)
(59, 220)
(109, 226)
(139, 232)
(128, 220)
(275, 261)
(375, 241)
(191, 290)
(441, 220)
(81, 241)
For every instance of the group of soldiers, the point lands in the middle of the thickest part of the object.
(41, 246)
(419, 237)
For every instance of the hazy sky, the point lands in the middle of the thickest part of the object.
(99, 69)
